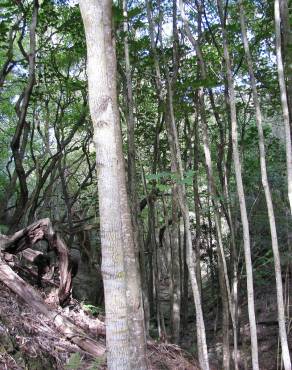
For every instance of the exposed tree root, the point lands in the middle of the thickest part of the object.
(159, 355)
(43, 230)
(34, 299)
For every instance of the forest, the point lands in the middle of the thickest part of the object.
(145, 184)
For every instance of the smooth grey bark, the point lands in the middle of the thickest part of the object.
(240, 192)
(223, 272)
(176, 157)
(174, 262)
(103, 117)
(133, 281)
(169, 116)
(125, 334)
(268, 196)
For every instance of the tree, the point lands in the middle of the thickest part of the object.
(173, 94)
(116, 257)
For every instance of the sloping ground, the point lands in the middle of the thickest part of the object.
(29, 341)
(267, 324)
(267, 328)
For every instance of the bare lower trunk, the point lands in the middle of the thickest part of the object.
(197, 203)
(176, 158)
(118, 256)
(185, 288)
(130, 215)
(174, 255)
(223, 274)
(225, 316)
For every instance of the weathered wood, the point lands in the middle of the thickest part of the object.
(63, 324)
(42, 230)
(31, 255)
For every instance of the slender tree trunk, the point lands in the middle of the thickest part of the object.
(225, 316)
(222, 167)
(268, 196)
(176, 157)
(223, 273)
(174, 245)
(241, 195)
(167, 244)
(284, 100)
(185, 288)
(132, 172)
(197, 202)
(285, 13)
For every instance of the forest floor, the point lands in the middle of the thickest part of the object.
(267, 325)
(28, 340)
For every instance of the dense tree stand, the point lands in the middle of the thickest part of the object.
(148, 146)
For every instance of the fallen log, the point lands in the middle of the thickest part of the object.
(43, 230)
(34, 300)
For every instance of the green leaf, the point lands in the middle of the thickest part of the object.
(74, 362)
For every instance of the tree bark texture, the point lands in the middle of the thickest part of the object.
(123, 303)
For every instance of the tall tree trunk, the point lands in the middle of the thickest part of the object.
(268, 196)
(125, 346)
(197, 202)
(241, 194)
(174, 245)
(284, 100)
(132, 172)
(285, 13)
(176, 157)
(133, 280)
(175, 260)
